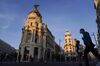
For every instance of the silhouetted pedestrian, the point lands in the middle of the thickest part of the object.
(79, 52)
(1, 57)
(89, 45)
(77, 45)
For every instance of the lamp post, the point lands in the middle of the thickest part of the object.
(95, 39)
(60, 50)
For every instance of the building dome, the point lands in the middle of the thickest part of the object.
(32, 15)
(67, 33)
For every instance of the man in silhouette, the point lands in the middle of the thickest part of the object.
(89, 46)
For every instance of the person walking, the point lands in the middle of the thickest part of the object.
(79, 51)
(89, 46)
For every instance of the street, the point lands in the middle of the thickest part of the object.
(46, 64)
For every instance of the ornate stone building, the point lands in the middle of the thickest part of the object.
(69, 46)
(97, 7)
(37, 41)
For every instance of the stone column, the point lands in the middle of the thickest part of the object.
(50, 55)
(34, 36)
(25, 36)
(39, 33)
(44, 45)
(30, 51)
(22, 38)
(18, 56)
(22, 53)
(39, 53)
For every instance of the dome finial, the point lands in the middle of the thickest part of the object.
(36, 8)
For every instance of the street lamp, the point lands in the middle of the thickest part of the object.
(60, 50)
(95, 39)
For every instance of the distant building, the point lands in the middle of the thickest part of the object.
(97, 7)
(69, 46)
(6, 48)
(7, 52)
(37, 41)
(17, 51)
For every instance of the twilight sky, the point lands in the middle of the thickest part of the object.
(60, 15)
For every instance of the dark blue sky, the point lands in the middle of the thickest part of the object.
(60, 15)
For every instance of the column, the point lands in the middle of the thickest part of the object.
(31, 37)
(31, 53)
(39, 53)
(44, 46)
(50, 55)
(39, 37)
(22, 38)
(18, 56)
(25, 36)
(22, 53)
(34, 36)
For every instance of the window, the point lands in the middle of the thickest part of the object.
(28, 27)
(32, 17)
(28, 37)
(31, 23)
(66, 40)
(65, 35)
(70, 44)
(69, 40)
(66, 48)
(35, 51)
(70, 47)
(70, 50)
(36, 38)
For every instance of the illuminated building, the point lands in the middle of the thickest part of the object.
(69, 46)
(37, 41)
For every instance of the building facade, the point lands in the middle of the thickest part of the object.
(37, 41)
(69, 46)
(7, 52)
(97, 8)
(6, 48)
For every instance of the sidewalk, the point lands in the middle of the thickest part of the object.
(48, 64)
(98, 64)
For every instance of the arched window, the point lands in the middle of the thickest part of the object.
(31, 23)
(36, 37)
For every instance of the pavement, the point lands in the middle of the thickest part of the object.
(98, 64)
(47, 64)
